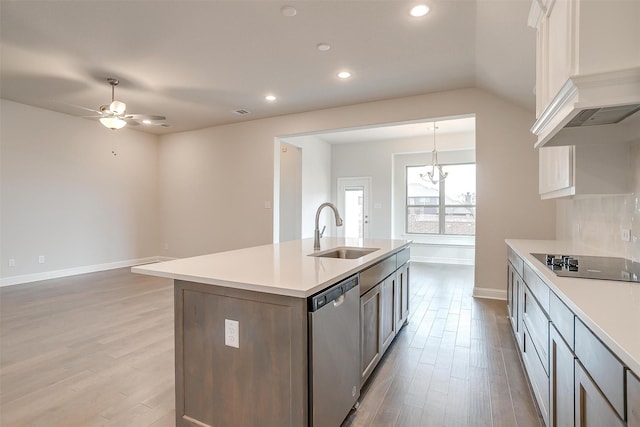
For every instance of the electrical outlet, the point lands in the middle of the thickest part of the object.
(232, 333)
(625, 234)
(41, 259)
(12, 262)
(165, 246)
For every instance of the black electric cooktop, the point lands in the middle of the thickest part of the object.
(591, 267)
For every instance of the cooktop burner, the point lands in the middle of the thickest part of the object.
(591, 267)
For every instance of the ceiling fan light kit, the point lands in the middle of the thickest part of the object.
(118, 107)
(113, 123)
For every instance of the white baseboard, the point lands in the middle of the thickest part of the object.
(55, 274)
(490, 293)
(438, 260)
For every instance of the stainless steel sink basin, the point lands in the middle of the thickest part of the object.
(344, 252)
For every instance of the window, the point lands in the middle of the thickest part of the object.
(448, 207)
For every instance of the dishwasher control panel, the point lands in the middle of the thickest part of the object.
(321, 299)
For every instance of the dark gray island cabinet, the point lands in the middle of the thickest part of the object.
(256, 371)
(262, 382)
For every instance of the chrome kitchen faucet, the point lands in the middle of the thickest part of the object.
(317, 233)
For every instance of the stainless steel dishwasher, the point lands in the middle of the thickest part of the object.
(334, 353)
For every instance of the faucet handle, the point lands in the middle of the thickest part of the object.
(322, 232)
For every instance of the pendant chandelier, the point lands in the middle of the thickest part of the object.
(436, 174)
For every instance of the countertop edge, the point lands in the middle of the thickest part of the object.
(549, 278)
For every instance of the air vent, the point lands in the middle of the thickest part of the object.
(241, 111)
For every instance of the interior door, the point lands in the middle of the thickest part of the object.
(353, 204)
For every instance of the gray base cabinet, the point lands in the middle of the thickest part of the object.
(388, 324)
(370, 331)
(561, 381)
(576, 379)
(402, 295)
(384, 308)
(591, 406)
(633, 400)
(267, 372)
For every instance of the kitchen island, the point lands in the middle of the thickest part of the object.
(242, 328)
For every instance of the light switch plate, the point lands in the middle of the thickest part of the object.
(625, 234)
(232, 333)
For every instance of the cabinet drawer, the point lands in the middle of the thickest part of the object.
(562, 318)
(605, 369)
(537, 376)
(538, 287)
(516, 261)
(633, 400)
(376, 273)
(403, 256)
(537, 326)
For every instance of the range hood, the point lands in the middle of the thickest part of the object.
(603, 115)
(597, 108)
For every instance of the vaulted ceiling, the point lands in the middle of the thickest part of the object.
(196, 62)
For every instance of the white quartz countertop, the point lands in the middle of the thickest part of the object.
(611, 309)
(281, 268)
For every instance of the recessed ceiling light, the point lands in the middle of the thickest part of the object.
(323, 47)
(288, 11)
(419, 10)
(270, 98)
(344, 74)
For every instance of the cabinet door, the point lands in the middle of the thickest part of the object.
(556, 177)
(512, 297)
(591, 407)
(561, 41)
(370, 331)
(402, 296)
(388, 299)
(561, 381)
(633, 400)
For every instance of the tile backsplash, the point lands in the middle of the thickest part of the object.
(598, 221)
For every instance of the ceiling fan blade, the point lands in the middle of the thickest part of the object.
(85, 108)
(144, 117)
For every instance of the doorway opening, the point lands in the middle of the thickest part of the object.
(353, 203)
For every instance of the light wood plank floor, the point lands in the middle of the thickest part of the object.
(97, 350)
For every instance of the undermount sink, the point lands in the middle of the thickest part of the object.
(344, 252)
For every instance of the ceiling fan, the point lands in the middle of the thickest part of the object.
(114, 115)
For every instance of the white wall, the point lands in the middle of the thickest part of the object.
(64, 194)
(290, 192)
(215, 181)
(316, 183)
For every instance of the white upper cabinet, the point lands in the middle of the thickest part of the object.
(587, 57)
(585, 169)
